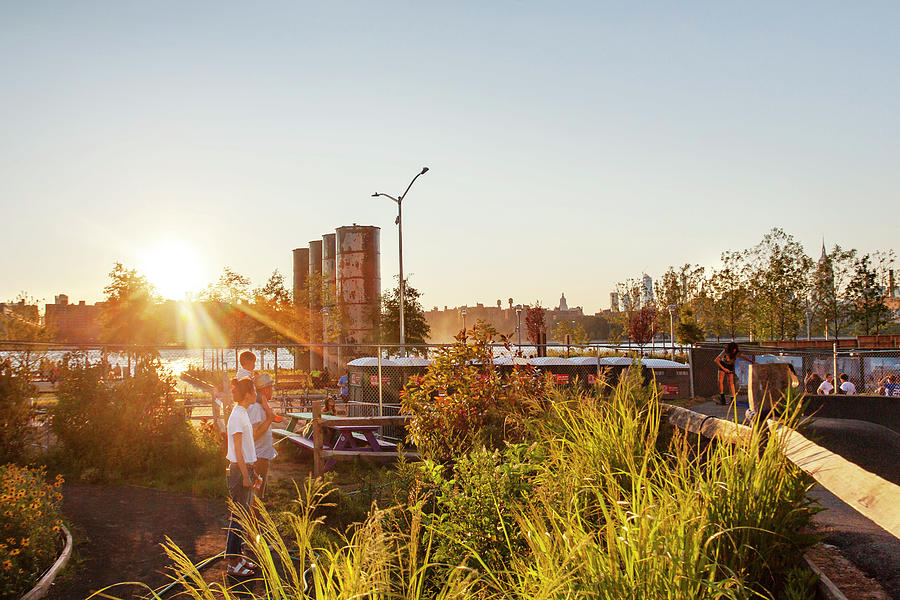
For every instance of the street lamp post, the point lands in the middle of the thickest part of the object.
(672, 309)
(519, 326)
(399, 221)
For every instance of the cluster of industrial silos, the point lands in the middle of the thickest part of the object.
(348, 262)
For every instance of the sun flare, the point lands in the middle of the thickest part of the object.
(173, 268)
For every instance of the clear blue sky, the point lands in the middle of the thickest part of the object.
(571, 145)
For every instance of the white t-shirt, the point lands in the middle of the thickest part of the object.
(239, 422)
(848, 388)
(265, 447)
(825, 388)
(243, 373)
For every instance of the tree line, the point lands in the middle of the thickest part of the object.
(770, 291)
(229, 311)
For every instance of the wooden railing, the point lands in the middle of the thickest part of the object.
(870, 495)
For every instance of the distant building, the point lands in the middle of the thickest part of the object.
(73, 323)
(614, 301)
(647, 291)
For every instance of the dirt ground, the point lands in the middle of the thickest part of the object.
(119, 530)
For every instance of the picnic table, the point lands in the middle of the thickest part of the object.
(330, 437)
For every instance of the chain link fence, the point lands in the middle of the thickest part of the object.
(870, 371)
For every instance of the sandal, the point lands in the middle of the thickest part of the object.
(244, 568)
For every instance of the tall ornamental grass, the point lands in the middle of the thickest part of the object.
(600, 505)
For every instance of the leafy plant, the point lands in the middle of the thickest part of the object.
(15, 414)
(30, 525)
(462, 402)
(130, 429)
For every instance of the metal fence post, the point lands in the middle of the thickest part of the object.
(691, 370)
(834, 357)
(380, 396)
(318, 442)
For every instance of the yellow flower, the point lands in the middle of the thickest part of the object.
(7, 565)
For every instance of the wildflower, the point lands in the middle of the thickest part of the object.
(7, 565)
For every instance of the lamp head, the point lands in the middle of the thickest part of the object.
(424, 170)
(376, 194)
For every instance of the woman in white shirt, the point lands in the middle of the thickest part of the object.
(240, 473)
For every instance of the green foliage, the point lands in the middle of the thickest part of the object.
(777, 270)
(15, 414)
(462, 402)
(688, 332)
(30, 524)
(577, 335)
(866, 300)
(484, 329)
(415, 327)
(830, 287)
(474, 510)
(598, 504)
(21, 322)
(129, 430)
(129, 315)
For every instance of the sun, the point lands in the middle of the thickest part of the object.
(173, 268)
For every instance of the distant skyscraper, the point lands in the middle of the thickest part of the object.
(563, 305)
(614, 301)
(647, 296)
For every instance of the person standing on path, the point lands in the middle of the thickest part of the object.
(726, 361)
(240, 474)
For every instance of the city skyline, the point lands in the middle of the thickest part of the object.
(565, 153)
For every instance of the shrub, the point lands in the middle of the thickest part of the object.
(15, 415)
(29, 527)
(462, 402)
(474, 512)
(130, 429)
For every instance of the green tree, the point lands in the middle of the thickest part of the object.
(274, 311)
(777, 279)
(730, 295)
(232, 296)
(484, 329)
(688, 332)
(416, 327)
(129, 314)
(577, 335)
(679, 287)
(15, 413)
(868, 310)
(830, 291)
(21, 321)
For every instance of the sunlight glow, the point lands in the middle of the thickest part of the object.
(173, 268)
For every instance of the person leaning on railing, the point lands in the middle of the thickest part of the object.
(727, 361)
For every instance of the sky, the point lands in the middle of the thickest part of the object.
(571, 145)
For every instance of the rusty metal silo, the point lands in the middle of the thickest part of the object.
(301, 272)
(359, 280)
(329, 292)
(315, 306)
